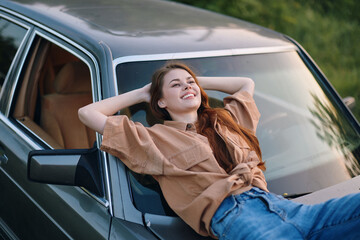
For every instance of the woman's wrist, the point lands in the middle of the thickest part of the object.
(145, 93)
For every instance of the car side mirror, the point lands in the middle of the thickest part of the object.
(74, 167)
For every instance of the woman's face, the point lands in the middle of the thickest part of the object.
(180, 93)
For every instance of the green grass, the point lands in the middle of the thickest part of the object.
(328, 30)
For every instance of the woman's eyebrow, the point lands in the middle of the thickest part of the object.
(176, 79)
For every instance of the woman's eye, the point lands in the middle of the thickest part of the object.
(175, 85)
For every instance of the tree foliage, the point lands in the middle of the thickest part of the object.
(328, 30)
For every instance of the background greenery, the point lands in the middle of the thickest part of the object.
(328, 30)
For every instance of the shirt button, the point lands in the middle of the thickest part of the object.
(188, 126)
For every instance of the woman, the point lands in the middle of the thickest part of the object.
(208, 161)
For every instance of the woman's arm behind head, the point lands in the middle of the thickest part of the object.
(229, 85)
(95, 114)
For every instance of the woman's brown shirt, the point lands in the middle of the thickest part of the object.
(182, 162)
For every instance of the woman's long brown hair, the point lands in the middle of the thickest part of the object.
(206, 118)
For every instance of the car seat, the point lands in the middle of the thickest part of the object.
(59, 110)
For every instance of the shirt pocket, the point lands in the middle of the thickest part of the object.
(191, 157)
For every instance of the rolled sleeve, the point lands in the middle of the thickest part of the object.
(132, 143)
(243, 109)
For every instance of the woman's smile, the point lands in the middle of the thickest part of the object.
(188, 96)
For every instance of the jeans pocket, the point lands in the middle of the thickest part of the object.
(224, 216)
(225, 208)
(274, 203)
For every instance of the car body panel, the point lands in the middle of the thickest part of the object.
(339, 190)
(40, 201)
(139, 36)
(121, 229)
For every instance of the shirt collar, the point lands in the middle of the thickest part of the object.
(181, 125)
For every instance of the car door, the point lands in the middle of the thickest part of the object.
(30, 106)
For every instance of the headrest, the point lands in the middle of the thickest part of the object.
(74, 77)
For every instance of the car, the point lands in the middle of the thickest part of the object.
(57, 56)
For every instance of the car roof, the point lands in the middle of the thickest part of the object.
(141, 27)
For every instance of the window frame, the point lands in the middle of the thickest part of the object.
(64, 46)
(17, 58)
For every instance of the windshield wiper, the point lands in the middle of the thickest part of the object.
(294, 195)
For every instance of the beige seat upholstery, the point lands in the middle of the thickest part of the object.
(59, 110)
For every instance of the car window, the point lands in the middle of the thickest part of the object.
(53, 85)
(11, 36)
(307, 142)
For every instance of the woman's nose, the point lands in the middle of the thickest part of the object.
(187, 86)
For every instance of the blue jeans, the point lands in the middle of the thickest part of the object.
(256, 214)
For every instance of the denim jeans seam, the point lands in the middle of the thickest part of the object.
(311, 234)
(283, 216)
(281, 213)
(225, 213)
(228, 226)
(273, 208)
(214, 232)
(298, 228)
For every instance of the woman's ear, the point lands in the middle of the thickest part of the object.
(161, 103)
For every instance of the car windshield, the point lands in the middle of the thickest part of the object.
(307, 142)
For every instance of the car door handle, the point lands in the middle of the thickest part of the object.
(3, 158)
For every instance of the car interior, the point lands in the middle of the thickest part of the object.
(54, 85)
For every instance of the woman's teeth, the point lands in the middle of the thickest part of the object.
(188, 95)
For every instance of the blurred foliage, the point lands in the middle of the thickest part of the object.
(328, 30)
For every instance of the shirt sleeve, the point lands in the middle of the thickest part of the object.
(243, 109)
(132, 143)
